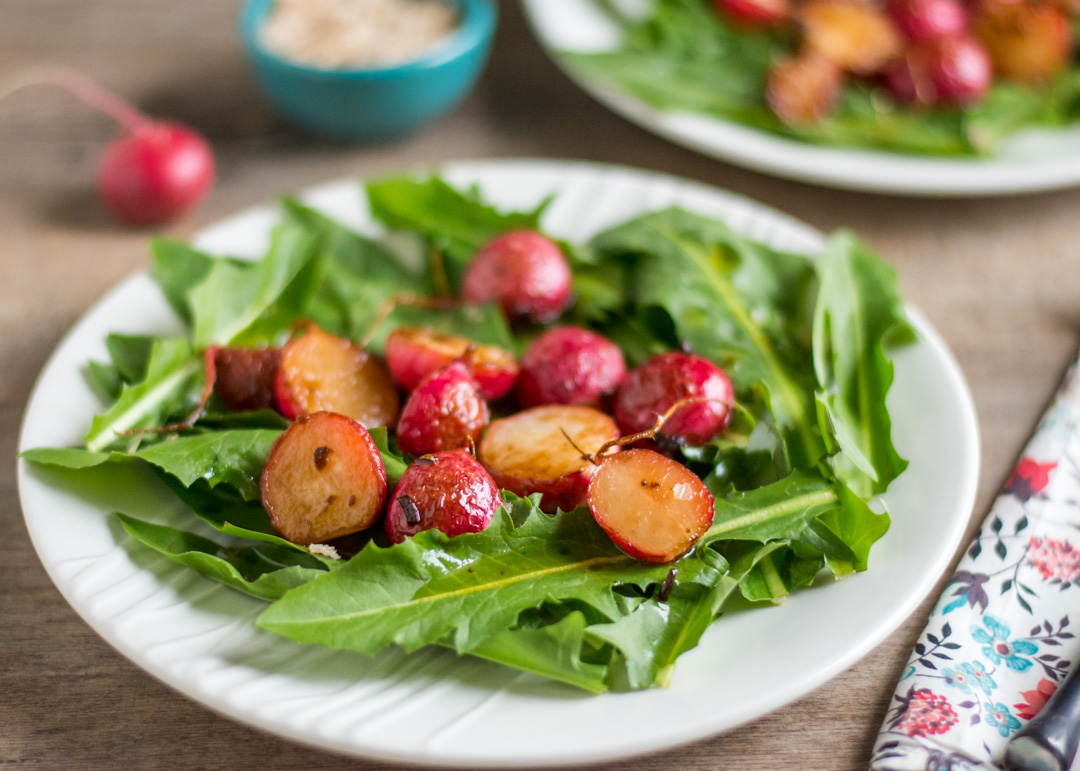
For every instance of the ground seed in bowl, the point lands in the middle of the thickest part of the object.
(356, 33)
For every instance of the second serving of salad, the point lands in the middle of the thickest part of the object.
(943, 77)
(565, 458)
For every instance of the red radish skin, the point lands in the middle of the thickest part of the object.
(324, 478)
(922, 20)
(652, 507)
(528, 452)
(803, 89)
(570, 365)
(754, 13)
(953, 71)
(446, 491)
(413, 353)
(320, 372)
(445, 412)
(246, 377)
(654, 387)
(524, 272)
(155, 171)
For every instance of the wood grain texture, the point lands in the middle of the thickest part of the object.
(997, 277)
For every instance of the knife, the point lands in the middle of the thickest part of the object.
(1049, 741)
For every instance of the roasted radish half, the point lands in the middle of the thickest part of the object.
(540, 451)
(413, 353)
(856, 37)
(569, 365)
(445, 412)
(524, 272)
(664, 380)
(654, 508)
(447, 491)
(755, 13)
(324, 478)
(1027, 41)
(320, 372)
(245, 377)
(803, 89)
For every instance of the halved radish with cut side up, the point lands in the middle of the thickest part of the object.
(534, 452)
(324, 479)
(413, 353)
(654, 508)
(320, 372)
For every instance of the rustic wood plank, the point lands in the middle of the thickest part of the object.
(997, 277)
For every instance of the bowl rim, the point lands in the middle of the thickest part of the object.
(475, 30)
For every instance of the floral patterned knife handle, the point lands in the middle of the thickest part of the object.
(1049, 741)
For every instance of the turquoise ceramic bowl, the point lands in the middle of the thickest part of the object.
(368, 105)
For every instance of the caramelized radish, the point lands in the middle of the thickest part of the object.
(569, 365)
(855, 37)
(540, 451)
(445, 412)
(1027, 42)
(245, 377)
(524, 272)
(654, 508)
(447, 491)
(413, 353)
(803, 89)
(324, 479)
(322, 372)
(667, 379)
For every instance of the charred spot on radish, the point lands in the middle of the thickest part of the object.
(408, 505)
(322, 457)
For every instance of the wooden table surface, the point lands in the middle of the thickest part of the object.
(997, 277)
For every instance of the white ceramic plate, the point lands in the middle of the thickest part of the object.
(1031, 161)
(434, 707)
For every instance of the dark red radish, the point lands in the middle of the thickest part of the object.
(803, 89)
(445, 412)
(955, 71)
(540, 451)
(920, 20)
(652, 507)
(446, 491)
(569, 365)
(324, 479)
(413, 353)
(246, 377)
(524, 272)
(151, 174)
(667, 379)
(320, 372)
(754, 13)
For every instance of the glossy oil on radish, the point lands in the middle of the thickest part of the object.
(324, 478)
(446, 491)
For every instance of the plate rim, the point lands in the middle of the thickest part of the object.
(932, 177)
(692, 733)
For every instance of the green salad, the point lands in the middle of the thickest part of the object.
(805, 444)
(802, 69)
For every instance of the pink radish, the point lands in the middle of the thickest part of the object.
(155, 171)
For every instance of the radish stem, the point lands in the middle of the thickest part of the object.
(79, 86)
